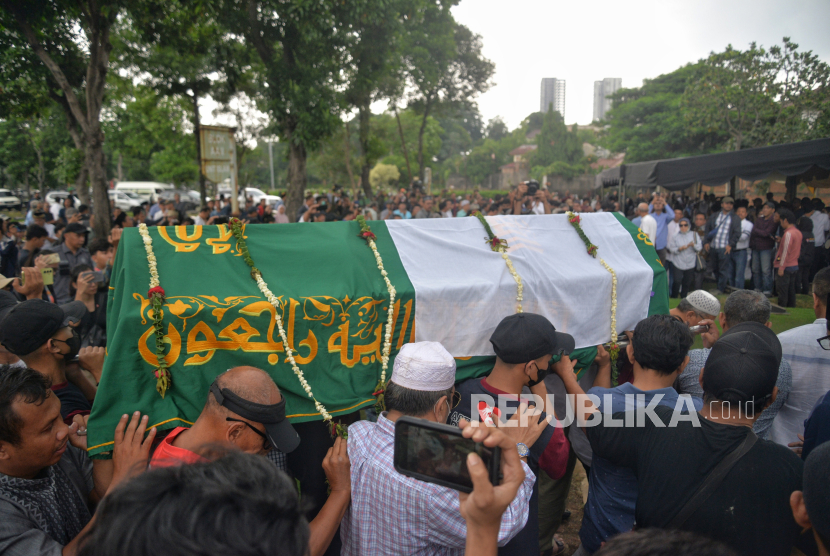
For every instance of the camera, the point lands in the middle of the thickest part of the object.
(532, 187)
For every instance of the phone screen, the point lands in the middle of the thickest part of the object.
(437, 453)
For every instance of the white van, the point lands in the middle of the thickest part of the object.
(147, 190)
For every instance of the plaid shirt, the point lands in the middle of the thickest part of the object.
(722, 237)
(393, 514)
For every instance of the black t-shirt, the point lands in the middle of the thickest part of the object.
(73, 401)
(750, 510)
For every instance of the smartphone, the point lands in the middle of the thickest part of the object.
(48, 275)
(97, 276)
(437, 453)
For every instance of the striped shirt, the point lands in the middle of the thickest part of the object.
(395, 515)
(811, 379)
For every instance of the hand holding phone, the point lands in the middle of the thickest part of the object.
(483, 507)
(437, 453)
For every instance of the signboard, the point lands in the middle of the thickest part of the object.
(218, 157)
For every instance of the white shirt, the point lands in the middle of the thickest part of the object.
(649, 226)
(673, 229)
(811, 379)
(55, 209)
(199, 221)
(538, 207)
(746, 229)
(821, 225)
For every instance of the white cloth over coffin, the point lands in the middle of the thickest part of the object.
(463, 289)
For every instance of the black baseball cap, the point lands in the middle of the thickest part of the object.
(743, 364)
(7, 301)
(75, 228)
(278, 429)
(816, 488)
(30, 324)
(524, 337)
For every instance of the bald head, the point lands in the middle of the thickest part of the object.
(249, 383)
(642, 208)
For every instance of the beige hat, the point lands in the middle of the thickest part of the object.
(424, 366)
(5, 281)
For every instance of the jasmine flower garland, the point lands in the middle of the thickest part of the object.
(367, 234)
(238, 231)
(500, 246)
(156, 296)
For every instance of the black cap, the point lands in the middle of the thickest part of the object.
(7, 301)
(30, 324)
(816, 489)
(279, 430)
(524, 337)
(743, 364)
(75, 228)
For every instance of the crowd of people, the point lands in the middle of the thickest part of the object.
(724, 450)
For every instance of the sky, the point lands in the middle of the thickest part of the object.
(583, 42)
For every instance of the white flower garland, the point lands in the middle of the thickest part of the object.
(516, 277)
(272, 299)
(387, 344)
(613, 300)
(151, 258)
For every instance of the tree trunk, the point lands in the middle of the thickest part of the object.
(95, 166)
(403, 145)
(197, 132)
(348, 157)
(120, 167)
(363, 118)
(81, 184)
(421, 139)
(296, 177)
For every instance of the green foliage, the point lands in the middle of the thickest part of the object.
(496, 129)
(647, 122)
(151, 135)
(68, 165)
(556, 143)
(760, 97)
(384, 175)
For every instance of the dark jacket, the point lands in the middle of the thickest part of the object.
(808, 242)
(734, 228)
(762, 237)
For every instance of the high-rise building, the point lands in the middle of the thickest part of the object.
(602, 89)
(553, 92)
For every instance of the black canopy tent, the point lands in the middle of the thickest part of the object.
(807, 160)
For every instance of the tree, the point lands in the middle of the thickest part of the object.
(51, 30)
(179, 49)
(384, 175)
(444, 64)
(373, 73)
(496, 129)
(556, 143)
(760, 97)
(647, 122)
(299, 46)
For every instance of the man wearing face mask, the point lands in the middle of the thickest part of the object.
(42, 335)
(524, 344)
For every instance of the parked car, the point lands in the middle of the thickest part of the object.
(147, 190)
(58, 197)
(254, 193)
(123, 200)
(9, 201)
(186, 198)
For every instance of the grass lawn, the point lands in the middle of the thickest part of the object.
(795, 316)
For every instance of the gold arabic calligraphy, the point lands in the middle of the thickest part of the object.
(354, 328)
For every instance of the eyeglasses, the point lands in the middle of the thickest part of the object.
(456, 398)
(824, 343)
(266, 442)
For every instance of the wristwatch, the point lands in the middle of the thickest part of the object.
(524, 451)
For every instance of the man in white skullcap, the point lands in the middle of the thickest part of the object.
(394, 514)
(698, 306)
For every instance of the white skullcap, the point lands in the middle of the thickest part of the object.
(704, 302)
(424, 366)
(465, 202)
